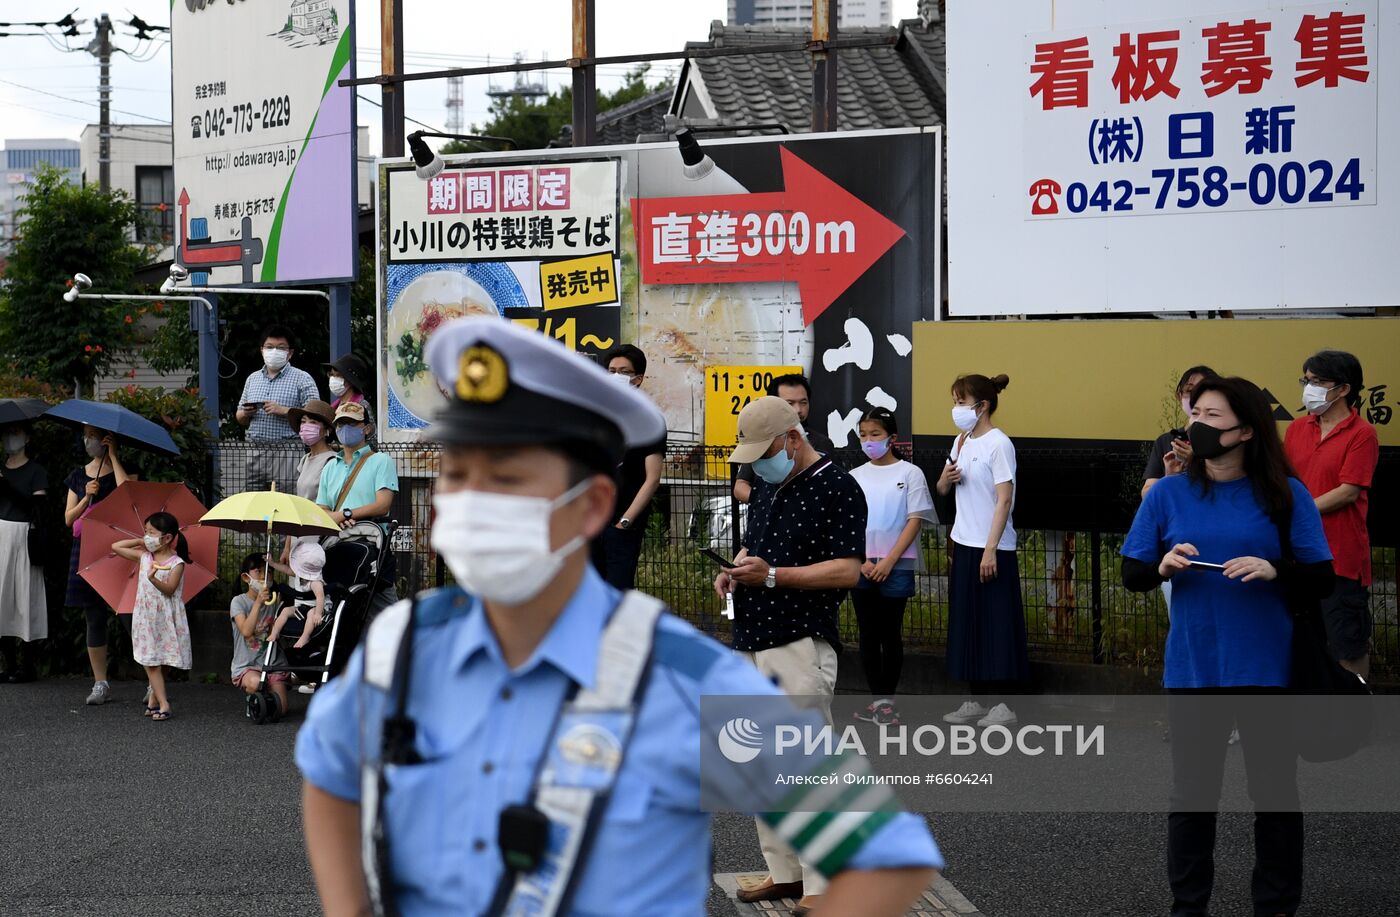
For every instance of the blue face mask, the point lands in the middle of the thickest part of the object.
(775, 468)
(350, 435)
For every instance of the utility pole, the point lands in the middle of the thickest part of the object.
(101, 48)
(585, 75)
(824, 69)
(391, 62)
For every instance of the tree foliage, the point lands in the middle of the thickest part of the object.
(66, 229)
(534, 124)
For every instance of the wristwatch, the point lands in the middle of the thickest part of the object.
(349, 514)
(624, 523)
(771, 580)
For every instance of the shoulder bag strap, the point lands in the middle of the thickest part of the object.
(345, 488)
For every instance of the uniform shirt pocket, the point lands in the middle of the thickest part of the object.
(629, 801)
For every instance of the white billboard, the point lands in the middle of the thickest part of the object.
(265, 173)
(1230, 156)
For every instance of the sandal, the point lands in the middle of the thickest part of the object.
(161, 715)
(147, 708)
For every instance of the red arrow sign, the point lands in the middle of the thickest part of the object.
(206, 254)
(815, 233)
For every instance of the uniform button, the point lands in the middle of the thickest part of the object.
(488, 767)
(506, 694)
(478, 845)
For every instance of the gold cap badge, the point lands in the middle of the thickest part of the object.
(481, 375)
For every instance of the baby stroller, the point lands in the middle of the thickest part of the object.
(355, 560)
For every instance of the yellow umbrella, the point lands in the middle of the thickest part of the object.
(272, 512)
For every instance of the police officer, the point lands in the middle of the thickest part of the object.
(529, 741)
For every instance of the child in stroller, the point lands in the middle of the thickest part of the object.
(306, 609)
(349, 580)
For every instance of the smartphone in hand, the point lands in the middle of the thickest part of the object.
(717, 558)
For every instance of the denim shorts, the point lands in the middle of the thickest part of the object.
(898, 585)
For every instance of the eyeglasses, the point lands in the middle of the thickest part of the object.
(1304, 380)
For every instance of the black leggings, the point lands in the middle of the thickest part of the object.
(881, 623)
(97, 625)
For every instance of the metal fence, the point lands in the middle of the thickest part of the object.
(1076, 607)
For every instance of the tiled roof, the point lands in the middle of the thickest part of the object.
(898, 85)
(641, 116)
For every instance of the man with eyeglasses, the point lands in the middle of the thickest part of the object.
(269, 394)
(1334, 451)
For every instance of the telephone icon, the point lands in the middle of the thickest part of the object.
(1045, 194)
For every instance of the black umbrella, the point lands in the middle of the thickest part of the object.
(21, 410)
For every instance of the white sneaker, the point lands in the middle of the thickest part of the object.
(101, 693)
(1001, 715)
(969, 711)
(306, 689)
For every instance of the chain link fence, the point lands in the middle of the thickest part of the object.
(1076, 607)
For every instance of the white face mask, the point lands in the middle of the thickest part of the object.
(152, 543)
(337, 386)
(274, 358)
(255, 584)
(1315, 399)
(497, 545)
(964, 417)
(620, 379)
(13, 442)
(93, 446)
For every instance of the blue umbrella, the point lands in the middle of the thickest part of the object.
(116, 419)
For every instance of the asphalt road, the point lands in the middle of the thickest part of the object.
(103, 812)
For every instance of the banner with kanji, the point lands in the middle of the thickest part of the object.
(1256, 109)
(1265, 131)
(818, 252)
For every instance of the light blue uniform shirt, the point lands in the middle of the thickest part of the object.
(481, 728)
(378, 474)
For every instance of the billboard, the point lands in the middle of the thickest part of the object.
(817, 253)
(264, 140)
(1225, 157)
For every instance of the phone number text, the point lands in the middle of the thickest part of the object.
(1188, 187)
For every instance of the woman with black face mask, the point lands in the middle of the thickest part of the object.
(1216, 533)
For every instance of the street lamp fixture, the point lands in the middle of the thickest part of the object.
(428, 163)
(179, 274)
(80, 282)
(697, 164)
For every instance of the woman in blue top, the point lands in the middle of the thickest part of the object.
(1230, 633)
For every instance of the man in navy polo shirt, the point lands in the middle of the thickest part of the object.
(802, 553)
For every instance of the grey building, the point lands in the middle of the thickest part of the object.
(798, 13)
(21, 160)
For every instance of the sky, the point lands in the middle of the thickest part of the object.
(46, 91)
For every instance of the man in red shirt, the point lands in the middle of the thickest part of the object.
(1334, 450)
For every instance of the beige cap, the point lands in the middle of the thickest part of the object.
(760, 422)
(351, 410)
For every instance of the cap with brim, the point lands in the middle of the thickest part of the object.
(760, 422)
(307, 560)
(315, 408)
(354, 369)
(352, 411)
(513, 386)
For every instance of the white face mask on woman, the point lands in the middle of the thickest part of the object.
(497, 545)
(336, 385)
(13, 442)
(964, 417)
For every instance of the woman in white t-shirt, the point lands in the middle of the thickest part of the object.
(898, 504)
(986, 624)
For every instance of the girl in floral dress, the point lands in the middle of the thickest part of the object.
(160, 632)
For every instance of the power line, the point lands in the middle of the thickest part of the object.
(366, 98)
(80, 101)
